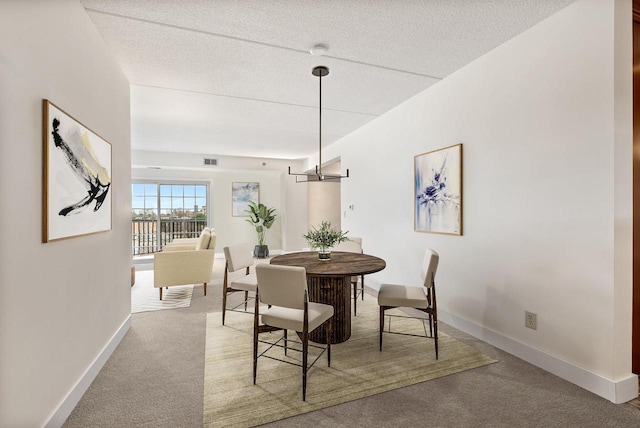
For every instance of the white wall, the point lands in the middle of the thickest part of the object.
(545, 122)
(323, 199)
(277, 190)
(64, 305)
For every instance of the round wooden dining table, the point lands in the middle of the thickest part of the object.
(329, 282)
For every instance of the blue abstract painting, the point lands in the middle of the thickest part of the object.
(438, 191)
(241, 195)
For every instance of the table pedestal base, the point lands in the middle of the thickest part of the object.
(334, 291)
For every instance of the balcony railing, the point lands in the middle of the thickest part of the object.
(145, 233)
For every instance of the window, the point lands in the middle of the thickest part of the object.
(162, 212)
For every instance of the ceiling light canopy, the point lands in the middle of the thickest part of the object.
(319, 71)
(319, 50)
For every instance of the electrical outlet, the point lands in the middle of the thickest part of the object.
(531, 320)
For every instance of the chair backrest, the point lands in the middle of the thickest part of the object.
(213, 240)
(238, 256)
(353, 245)
(204, 239)
(429, 267)
(284, 286)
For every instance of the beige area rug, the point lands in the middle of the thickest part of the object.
(357, 369)
(145, 297)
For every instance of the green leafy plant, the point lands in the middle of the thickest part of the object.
(261, 218)
(325, 237)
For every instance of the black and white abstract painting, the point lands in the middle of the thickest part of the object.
(77, 178)
(438, 191)
(241, 195)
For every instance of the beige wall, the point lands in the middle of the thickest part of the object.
(64, 305)
(277, 190)
(323, 199)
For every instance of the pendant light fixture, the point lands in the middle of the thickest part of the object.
(319, 71)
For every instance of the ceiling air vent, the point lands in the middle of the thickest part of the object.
(211, 162)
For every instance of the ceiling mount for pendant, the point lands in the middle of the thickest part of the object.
(319, 71)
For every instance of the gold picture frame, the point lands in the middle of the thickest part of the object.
(438, 191)
(76, 197)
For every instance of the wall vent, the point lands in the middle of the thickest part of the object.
(211, 162)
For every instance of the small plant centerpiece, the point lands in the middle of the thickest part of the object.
(261, 218)
(324, 238)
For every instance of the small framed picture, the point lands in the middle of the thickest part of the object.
(241, 195)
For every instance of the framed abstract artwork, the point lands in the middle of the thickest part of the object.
(438, 191)
(76, 197)
(241, 195)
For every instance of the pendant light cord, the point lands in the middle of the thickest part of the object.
(320, 132)
(319, 71)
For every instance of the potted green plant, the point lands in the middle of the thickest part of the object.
(261, 218)
(324, 238)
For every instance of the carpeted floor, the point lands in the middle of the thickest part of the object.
(156, 379)
(358, 368)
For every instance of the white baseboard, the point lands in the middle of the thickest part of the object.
(69, 403)
(617, 392)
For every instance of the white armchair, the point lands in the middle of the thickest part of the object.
(187, 243)
(185, 264)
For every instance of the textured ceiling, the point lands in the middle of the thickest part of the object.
(227, 77)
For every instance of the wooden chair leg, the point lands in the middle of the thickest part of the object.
(435, 333)
(355, 299)
(286, 341)
(329, 335)
(305, 352)
(224, 290)
(381, 325)
(205, 288)
(246, 297)
(224, 303)
(160, 292)
(255, 342)
(255, 356)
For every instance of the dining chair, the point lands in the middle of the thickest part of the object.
(353, 245)
(422, 298)
(284, 290)
(238, 257)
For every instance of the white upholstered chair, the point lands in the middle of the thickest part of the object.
(239, 257)
(187, 243)
(422, 298)
(181, 265)
(353, 245)
(284, 290)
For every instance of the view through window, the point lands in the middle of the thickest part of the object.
(162, 212)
